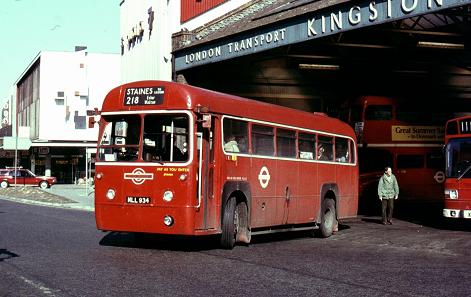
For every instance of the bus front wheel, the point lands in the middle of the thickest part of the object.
(229, 224)
(328, 218)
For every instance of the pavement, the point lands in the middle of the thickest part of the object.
(79, 197)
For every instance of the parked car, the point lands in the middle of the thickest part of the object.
(24, 177)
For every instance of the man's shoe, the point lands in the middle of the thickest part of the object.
(390, 222)
(384, 223)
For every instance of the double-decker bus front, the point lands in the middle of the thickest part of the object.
(458, 169)
(146, 180)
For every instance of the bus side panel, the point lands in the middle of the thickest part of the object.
(307, 199)
(327, 175)
(286, 191)
(263, 181)
(418, 182)
(347, 182)
(464, 194)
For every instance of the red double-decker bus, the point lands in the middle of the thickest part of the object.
(458, 168)
(176, 159)
(405, 136)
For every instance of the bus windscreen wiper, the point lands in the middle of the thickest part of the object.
(464, 172)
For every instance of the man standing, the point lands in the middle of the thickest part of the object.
(388, 191)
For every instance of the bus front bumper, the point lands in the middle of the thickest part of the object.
(457, 213)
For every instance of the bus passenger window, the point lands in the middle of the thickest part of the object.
(410, 161)
(262, 140)
(286, 143)
(435, 160)
(235, 136)
(352, 151)
(307, 146)
(378, 112)
(341, 150)
(325, 148)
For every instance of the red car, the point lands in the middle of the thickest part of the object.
(24, 177)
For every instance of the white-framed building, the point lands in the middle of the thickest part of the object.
(147, 27)
(53, 96)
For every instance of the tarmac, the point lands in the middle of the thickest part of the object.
(79, 197)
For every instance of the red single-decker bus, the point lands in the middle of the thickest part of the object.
(176, 159)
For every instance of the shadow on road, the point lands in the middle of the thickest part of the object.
(160, 242)
(5, 254)
(421, 213)
(195, 244)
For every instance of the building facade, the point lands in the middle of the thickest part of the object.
(53, 96)
(146, 32)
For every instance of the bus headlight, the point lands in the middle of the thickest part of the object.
(168, 221)
(110, 194)
(168, 196)
(453, 194)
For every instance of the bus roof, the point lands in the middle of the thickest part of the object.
(181, 96)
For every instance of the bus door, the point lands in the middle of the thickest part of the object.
(287, 206)
(206, 217)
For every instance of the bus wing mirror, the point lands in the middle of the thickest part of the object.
(207, 121)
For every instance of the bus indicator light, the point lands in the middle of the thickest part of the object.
(183, 177)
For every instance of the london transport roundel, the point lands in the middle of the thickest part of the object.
(264, 177)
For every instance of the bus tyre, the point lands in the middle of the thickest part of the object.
(328, 218)
(43, 185)
(229, 224)
(243, 233)
(4, 184)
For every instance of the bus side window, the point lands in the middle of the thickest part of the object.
(262, 140)
(410, 161)
(325, 148)
(286, 143)
(341, 150)
(307, 146)
(378, 112)
(352, 151)
(235, 136)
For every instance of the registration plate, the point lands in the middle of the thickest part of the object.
(138, 200)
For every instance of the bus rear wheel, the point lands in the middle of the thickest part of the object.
(328, 218)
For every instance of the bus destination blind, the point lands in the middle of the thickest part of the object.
(144, 96)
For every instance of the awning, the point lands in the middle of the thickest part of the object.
(280, 23)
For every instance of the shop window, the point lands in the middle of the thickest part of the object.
(80, 121)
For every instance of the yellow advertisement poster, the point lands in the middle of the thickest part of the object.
(417, 133)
